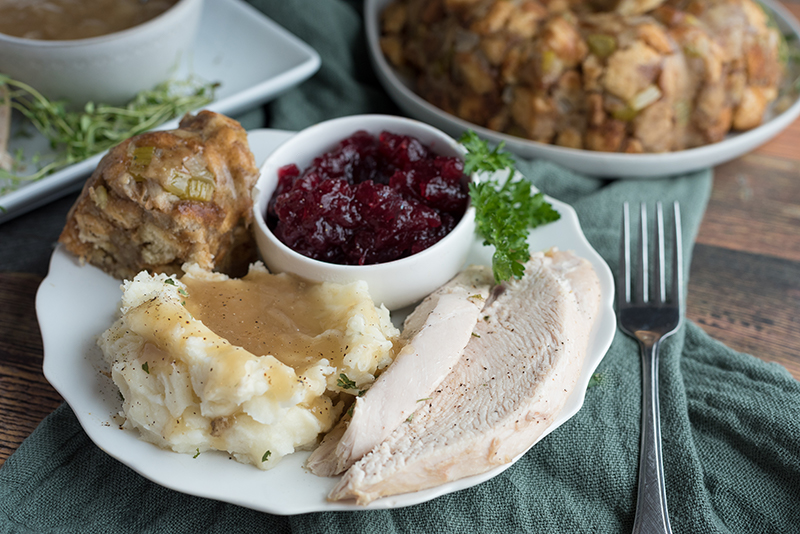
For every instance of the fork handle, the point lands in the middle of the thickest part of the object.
(651, 502)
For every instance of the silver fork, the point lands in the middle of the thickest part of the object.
(650, 318)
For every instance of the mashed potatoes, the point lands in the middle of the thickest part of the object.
(257, 367)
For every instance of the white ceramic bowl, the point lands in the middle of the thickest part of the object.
(395, 284)
(108, 69)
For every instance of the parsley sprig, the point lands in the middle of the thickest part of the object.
(504, 212)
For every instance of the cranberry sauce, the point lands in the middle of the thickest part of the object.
(370, 200)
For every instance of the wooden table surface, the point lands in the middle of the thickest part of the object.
(744, 283)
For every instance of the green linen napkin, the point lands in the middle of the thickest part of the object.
(731, 437)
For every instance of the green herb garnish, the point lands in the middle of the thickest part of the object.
(595, 380)
(480, 159)
(181, 291)
(266, 455)
(146, 368)
(197, 453)
(344, 382)
(505, 212)
(77, 135)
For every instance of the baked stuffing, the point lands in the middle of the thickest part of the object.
(617, 76)
(163, 198)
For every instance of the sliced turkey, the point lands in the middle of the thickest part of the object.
(519, 367)
(434, 336)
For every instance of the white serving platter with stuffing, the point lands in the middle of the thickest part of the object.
(607, 165)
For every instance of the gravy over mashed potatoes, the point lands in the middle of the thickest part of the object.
(250, 366)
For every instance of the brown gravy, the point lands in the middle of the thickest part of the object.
(52, 20)
(265, 314)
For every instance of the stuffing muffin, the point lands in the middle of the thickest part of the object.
(163, 198)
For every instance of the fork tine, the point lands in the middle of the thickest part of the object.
(649, 322)
(643, 282)
(676, 293)
(660, 272)
(624, 289)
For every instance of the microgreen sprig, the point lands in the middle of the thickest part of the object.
(77, 135)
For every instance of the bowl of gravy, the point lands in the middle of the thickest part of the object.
(103, 51)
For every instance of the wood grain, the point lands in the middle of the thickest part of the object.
(25, 395)
(747, 301)
(755, 207)
(785, 145)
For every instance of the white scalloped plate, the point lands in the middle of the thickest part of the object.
(74, 366)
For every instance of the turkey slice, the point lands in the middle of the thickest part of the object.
(520, 365)
(434, 336)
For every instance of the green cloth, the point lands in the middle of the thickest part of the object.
(731, 437)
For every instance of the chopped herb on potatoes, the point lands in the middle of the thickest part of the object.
(345, 382)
